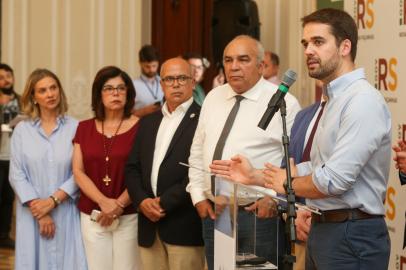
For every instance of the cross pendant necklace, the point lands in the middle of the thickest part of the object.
(107, 149)
(106, 180)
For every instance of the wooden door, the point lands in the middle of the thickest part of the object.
(180, 26)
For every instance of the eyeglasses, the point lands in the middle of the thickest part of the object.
(170, 80)
(109, 89)
(198, 67)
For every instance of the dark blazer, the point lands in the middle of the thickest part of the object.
(298, 135)
(298, 132)
(181, 225)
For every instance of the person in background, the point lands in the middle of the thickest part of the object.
(9, 109)
(147, 87)
(101, 148)
(271, 67)
(170, 230)
(199, 65)
(400, 159)
(48, 225)
(220, 78)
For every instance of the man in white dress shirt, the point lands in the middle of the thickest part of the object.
(243, 65)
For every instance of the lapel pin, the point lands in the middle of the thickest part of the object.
(192, 115)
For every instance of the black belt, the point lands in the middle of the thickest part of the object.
(341, 215)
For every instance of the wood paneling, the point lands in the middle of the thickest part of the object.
(180, 26)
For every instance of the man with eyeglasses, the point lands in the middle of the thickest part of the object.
(169, 228)
(246, 88)
(148, 90)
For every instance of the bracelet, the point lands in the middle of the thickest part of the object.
(56, 200)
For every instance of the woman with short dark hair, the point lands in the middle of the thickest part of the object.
(101, 148)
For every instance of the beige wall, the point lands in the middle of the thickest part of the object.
(281, 32)
(73, 38)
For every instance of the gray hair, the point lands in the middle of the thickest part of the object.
(260, 48)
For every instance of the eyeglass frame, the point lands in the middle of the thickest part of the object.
(198, 67)
(176, 78)
(109, 89)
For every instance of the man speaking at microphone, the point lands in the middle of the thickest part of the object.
(227, 126)
(348, 171)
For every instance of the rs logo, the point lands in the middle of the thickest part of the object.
(391, 212)
(365, 14)
(387, 78)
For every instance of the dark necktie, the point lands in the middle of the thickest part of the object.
(218, 151)
(306, 152)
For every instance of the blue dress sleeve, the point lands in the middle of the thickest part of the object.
(18, 173)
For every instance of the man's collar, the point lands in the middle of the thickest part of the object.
(182, 107)
(252, 94)
(340, 84)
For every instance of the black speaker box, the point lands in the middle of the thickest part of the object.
(230, 19)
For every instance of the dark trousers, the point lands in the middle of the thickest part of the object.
(362, 244)
(6, 199)
(269, 243)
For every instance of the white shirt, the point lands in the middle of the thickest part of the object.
(245, 137)
(167, 128)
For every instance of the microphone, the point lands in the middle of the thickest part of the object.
(273, 106)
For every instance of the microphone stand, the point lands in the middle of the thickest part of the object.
(290, 228)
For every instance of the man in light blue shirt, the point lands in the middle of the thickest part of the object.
(350, 156)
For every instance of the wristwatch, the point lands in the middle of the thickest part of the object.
(56, 200)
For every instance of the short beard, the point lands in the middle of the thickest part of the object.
(149, 74)
(325, 70)
(8, 91)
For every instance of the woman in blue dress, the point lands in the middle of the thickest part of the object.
(48, 226)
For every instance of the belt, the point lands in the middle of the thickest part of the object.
(341, 215)
(242, 207)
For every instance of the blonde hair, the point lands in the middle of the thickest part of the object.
(31, 109)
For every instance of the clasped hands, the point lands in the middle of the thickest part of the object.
(239, 169)
(110, 210)
(40, 210)
(263, 208)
